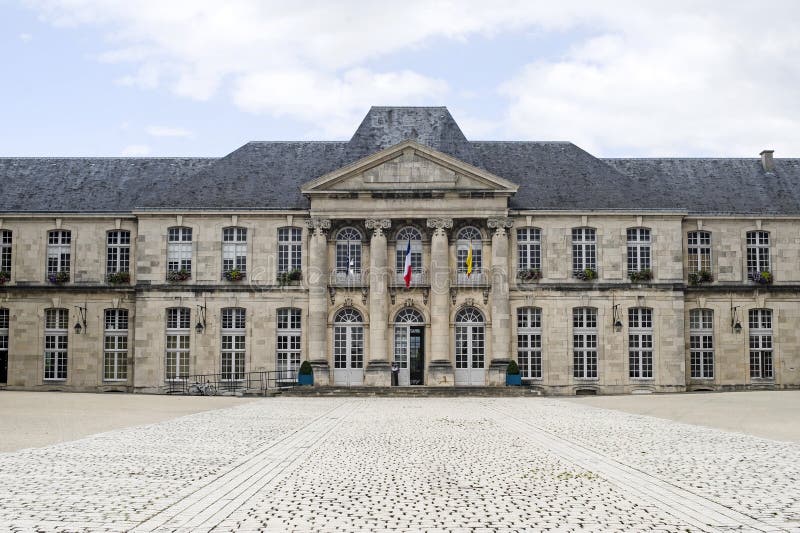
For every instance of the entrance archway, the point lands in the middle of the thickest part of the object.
(409, 347)
(348, 348)
(470, 348)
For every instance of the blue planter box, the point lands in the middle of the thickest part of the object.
(305, 379)
(514, 380)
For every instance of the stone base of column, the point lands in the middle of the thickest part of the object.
(378, 374)
(322, 373)
(496, 375)
(441, 374)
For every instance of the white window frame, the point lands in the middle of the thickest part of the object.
(529, 342)
(584, 249)
(640, 343)
(290, 249)
(56, 344)
(234, 249)
(698, 251)
(639, 249)
(118, 251)
(6, 240)
(115, 345)
(467, 236)
(761, 343)
(529, 248)
(178, 328)
(585, 360)
(288, 343)
(233, 354)
(179, 249)
(348, 247)
(701, 344)
(59, 251)
(757, 253)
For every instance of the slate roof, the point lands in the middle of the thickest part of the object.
(268, 175)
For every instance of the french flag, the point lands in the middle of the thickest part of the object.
(407, 267)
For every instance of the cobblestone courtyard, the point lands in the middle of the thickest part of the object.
(372, 464)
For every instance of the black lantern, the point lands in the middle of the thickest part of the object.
(736, 325)
(201, 318)
(80, 325)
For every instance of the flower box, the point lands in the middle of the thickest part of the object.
(700, 277)
(587, 274)
(529, 275)
(513, 377)
(5, 277)
(179, 275)
(642, 275)
(58, 277)
(233, 275)
(119, 278)
(763, 278)
(291, 277)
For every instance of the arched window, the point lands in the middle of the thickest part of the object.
(757, 254)
(409, 327)
(408, 239)
(289, 337)
(640, 343)
(409, 316)
(348, 347)
(348, 251)
(760, 328)
(701, 343)
(529, 342)
(233, 343)
(584, 342)
(469, 245)
(56, 322)
(470, 347)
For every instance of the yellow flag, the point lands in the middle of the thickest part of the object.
(469, 259)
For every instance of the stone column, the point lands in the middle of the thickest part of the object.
(317, 280)
(501, 307)
(378, 372)
(440, 371)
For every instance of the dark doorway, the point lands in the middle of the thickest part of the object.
(416, 355)
(3, 366)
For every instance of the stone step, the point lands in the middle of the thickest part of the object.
(446, 392)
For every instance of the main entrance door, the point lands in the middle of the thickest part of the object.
(470, 343)
(348, 348)
(409, 347)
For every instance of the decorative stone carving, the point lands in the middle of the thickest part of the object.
(364, 295)
(377, 225)
(440, 223)
(318, 225)
(500, 224)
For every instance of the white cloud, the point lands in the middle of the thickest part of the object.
(25, 37)
(135, 150)
(699, 77)
(166, 131)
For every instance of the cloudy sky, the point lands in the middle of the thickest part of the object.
(201, 77)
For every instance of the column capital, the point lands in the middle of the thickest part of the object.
(440, 223)
(500, 222)
(318, 225)
(377, 225)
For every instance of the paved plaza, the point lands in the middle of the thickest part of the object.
(435, 464)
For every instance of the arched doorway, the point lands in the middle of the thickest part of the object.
(348, 348)
(409, 347)
(470, 348)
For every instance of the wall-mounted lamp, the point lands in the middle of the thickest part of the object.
(201, 318)
(392, 293)
(736, 326)
(615, 318)
(80, 325)
(485, 296)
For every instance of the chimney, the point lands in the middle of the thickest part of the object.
(766, 160)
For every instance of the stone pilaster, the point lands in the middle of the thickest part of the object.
(440, 367)
(317, 280)
(378, 371)
(501, 308)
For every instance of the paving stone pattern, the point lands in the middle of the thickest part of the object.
(434, 464)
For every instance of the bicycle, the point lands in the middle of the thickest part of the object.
(202, 389)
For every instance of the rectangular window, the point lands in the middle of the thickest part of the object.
(4, 322)
(234, 249)
(56, 322)
(529, 342)
(701, 343)
(698, 251)
(584, 249)
(529, 249)
(118, 252)
(177, 356)
(5, 251)
(760, 322)
(179, 249)
(115, 346)
(638, 249)
(58, 251)
(290, 249)
(233, 344)
(757, 254)
(288, 343)
(640, 342)
(584, 342)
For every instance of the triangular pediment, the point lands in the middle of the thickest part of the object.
(408, 166)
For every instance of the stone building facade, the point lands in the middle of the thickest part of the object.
(595, 275)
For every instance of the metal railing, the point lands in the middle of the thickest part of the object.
(419, 278)
(349, 277)
(236, 383)
(478, 278)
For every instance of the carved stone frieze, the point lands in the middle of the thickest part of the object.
(440, 223)
(502, 222)
(377, 225)
(318, 225)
